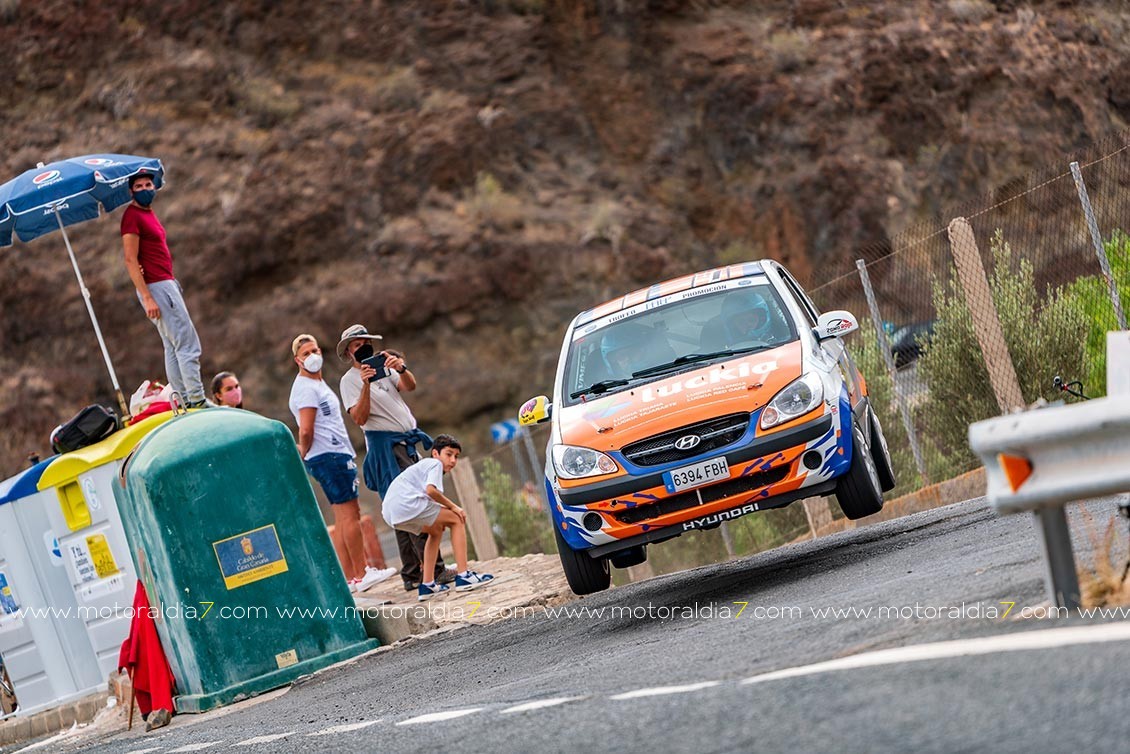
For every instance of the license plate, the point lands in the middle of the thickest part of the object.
(689, 477)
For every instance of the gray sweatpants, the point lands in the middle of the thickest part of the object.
(182, 344)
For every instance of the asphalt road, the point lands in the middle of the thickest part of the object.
(606, 680)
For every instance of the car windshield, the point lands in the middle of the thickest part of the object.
(618, 351)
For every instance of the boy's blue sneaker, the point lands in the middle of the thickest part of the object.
(425, 592)
(465, 582)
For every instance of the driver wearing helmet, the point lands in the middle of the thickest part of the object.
(745, 317)
(625, 349)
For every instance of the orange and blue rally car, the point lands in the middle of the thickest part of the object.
(696, 401)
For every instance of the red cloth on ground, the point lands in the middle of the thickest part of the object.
(153, 682)
(154, 408)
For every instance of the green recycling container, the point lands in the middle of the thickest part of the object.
(232, 549)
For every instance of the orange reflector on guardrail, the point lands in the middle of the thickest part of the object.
(1016, 469)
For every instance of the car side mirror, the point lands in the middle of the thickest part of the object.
(535, 411)
(835, 324)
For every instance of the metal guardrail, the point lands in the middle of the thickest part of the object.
(1038, 461)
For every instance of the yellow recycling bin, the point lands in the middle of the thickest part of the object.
(92, 539)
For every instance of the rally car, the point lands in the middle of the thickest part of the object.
(696, 401)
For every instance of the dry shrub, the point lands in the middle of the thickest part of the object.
(973, 11)
(399, 90)
(268, 102)
(789, 49)
(605, 224)
(1105, 581)
(491, 205)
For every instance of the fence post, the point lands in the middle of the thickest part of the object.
(531, 452)
(986, 322)
(471, 500)
(818, 511)
(727, 539)
(1118, 364)
(519, 464)
(808, 517)
(1097, 240)
(889, 360)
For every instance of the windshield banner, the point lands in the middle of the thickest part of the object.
(673, 298)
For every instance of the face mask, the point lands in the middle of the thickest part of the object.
(313, 363)
(233, 398)
(144, 198)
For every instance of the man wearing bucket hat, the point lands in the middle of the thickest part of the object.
(372, 394)
(150, 266)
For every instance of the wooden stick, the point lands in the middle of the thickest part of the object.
(131, 693)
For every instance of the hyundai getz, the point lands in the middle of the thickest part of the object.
(695, 401)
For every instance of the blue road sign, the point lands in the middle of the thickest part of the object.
(504, 431)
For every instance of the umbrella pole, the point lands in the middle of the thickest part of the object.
(93, 319)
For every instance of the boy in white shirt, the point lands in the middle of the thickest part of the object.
(415, 503)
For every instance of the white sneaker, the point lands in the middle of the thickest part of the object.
(353, 585)
(374, 576)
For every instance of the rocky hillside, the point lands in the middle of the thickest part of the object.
(464, 176)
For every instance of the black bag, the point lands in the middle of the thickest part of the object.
(87, 427)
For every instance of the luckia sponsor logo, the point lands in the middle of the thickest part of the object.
(713, 377)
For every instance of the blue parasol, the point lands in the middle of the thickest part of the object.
(51, 197)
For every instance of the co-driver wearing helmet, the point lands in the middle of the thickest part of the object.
(624, 350)
(745, 320)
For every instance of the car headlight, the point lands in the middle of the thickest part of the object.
(576, 463)
(798, 398)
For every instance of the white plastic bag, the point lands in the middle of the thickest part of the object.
(148, 393)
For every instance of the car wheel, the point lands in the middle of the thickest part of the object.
(858, 491)
(585, 574)
(881, 455)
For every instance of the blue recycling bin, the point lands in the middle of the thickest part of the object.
(44, 642)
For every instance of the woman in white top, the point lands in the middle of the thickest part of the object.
(328, 454)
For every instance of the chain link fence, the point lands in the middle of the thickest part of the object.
(962, 317)
(981, 312)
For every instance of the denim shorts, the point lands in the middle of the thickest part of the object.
(337, 473)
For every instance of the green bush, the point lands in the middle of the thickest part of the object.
(1045, 336)
(518, 528)
(751, 534)
(768, 529)
(1092, 297)
(693, 549)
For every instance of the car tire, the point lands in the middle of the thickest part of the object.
(881, 455)
(586, 575)
(858, 491)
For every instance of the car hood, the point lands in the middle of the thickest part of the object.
(741, 383)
